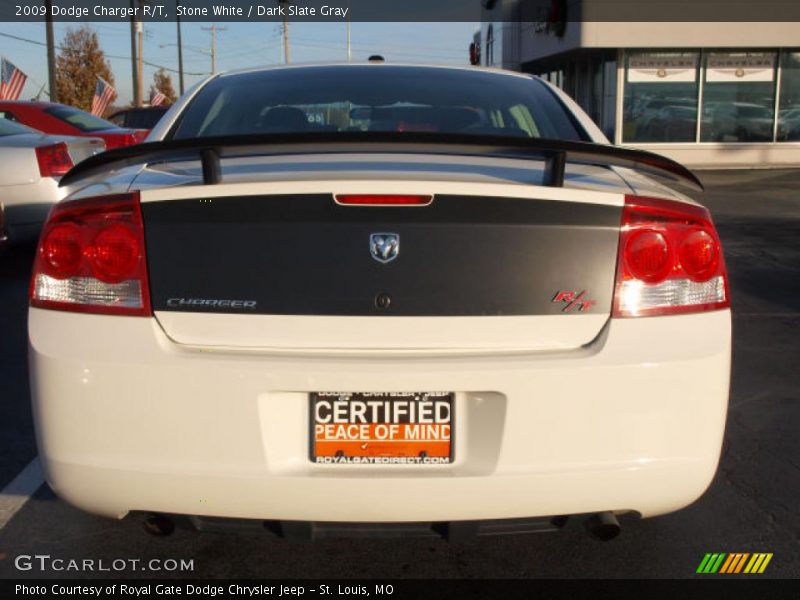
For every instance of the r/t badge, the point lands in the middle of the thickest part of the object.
(574, 301)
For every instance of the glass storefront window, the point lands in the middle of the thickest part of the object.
(738, 97)
(789, 108)
(660, 102)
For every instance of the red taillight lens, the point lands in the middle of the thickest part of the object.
(670, 260)
(54, 161)
(699, 255)
(114, 253)
(384, 199)
(61, 250)
(91, 258)
(648, 256)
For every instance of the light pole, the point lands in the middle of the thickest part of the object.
(180, 47)
(137, 93)
(214, 29)
(286, 58)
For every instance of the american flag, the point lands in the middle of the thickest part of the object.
(104, 93)
(156, 97)
(11, 82)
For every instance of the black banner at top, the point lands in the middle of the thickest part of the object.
(401, 10)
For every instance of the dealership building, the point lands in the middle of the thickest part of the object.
(704, 93)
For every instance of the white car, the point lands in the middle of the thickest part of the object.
(473, 317)
(31, 164)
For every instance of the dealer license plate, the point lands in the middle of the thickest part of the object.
(384, 428)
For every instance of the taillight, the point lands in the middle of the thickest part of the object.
(91, 258)
(670, 260)
(384, 199)
(120, 140)
(54, 160)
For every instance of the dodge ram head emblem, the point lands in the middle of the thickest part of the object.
(384, 247)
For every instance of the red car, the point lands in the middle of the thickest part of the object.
(49, 117)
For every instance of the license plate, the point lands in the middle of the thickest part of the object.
(382, 428)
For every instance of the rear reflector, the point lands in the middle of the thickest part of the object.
(91, 258)
(54, 160)
(670, 260)
(383, 200)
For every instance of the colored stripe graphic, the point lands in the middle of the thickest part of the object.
(758, 563)
(711, 563)
(703, 563)
(741, 562)
(727, 564)
(733, 563)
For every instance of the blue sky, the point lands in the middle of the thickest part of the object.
(243, 45)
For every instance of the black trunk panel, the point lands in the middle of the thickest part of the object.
(306, 255)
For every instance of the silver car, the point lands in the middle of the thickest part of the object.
(31, 165)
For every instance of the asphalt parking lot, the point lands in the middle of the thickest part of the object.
(752, 506)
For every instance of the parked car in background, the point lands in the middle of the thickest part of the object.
(49, 117)
(31, 164)
(673, 124)
(138, 118)
(736, 122)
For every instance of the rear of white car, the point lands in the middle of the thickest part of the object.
(31, 165)
(217, 350)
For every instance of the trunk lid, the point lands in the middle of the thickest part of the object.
(81, 148)
(269, 260)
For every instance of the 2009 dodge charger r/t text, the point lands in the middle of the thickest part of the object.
(396, 296)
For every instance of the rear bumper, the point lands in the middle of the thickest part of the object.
(307, 530)
(129, 421)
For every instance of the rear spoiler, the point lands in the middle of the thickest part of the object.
(555, 153)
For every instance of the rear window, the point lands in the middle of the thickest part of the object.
(77, 118)
(141, 118)
(377, 98)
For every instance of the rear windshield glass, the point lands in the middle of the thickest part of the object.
(82, 120)
(144, 118)
(10, 128)
(377, 98)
